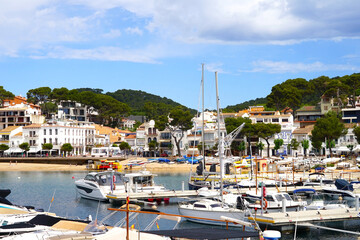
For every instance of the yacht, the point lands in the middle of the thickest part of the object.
(273, 201)
(204, 210)
(96, 185)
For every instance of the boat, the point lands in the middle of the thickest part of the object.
(318, 203)
(96, 185)
(272, 201)
(11, 213)
(343, 189)
(210, 209)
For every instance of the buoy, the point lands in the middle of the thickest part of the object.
(271, 235)
(73, 177)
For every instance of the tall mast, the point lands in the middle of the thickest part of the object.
(220, 139)
(202, 118)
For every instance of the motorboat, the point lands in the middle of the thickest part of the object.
(272, 202)
(206, 209)
(318, 203)
(96, 185)
(343, 189)
(11, 213)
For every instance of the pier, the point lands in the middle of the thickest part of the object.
(288, 220)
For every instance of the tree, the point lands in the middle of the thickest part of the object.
(260, 146)
(3, 147)
(177, 121)
(48, 108)
(66, 147)
(329, 128)
(5, 95)
(47, 146)
(25, 146)
(356, 132)
(278, 143)
(294, 144)
(350, 147)
(37, 95)
(305, 144)
(266, 131)
(153, 145)
(330, 144)
(115, 145)
(124, 146)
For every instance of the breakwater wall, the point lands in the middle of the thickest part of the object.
(57, 160)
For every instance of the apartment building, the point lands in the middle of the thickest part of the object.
(78, 134)
(21, 114)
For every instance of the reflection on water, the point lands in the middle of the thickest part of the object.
(37, 188)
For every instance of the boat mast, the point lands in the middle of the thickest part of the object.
(220, 139)
(202, 125)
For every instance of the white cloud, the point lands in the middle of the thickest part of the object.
(114, 33)
(214, 67)
(287, 67)
(135, 31)
(40, 25)
(102, 54)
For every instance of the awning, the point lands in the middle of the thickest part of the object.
(14, 150)
(343, 149)
(205, 233)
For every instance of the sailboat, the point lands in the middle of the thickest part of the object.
(207, 209)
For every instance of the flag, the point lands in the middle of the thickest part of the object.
(157, 225)
(133, 226)
(52, 199)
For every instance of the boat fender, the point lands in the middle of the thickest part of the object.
(225, 192)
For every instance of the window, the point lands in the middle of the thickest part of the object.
(44, 140)
(44, 131)
(285, 120)
(50, 131)
(50, 140)
(56, 132)
(56, 141)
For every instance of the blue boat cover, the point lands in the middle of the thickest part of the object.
(342, 184)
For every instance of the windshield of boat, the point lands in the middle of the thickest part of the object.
(215, 205)
(142, 180)
(106, 179)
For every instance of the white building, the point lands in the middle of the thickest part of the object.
(19, 115)
(78, 134)
(211, 138)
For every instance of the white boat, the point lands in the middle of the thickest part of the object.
(11, 214)
(96, 185)
(318, 203)
(273, 201)
(210, 209)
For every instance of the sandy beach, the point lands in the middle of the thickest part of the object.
(153, 167)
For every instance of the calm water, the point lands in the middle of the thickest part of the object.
(37, 188)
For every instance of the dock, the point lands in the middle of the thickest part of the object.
(287, 220)
(147, 195)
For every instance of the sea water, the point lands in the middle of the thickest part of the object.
(55, 192)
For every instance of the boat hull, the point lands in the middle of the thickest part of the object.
(211, 215)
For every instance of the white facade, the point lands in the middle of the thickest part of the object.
(79, 135)
(211, 137)
(19, 115)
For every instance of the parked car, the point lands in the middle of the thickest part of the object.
(164, 154)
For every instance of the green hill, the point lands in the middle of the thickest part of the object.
(137, 99)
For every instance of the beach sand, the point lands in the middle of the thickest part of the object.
(152, 167)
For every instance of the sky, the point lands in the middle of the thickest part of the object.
(158, 46)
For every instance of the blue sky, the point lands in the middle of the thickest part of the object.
(158, 46)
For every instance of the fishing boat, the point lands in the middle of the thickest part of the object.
(96, 185)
